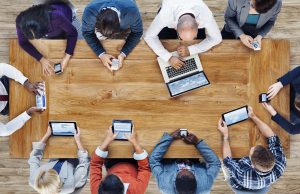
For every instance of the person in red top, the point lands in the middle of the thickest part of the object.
(123, 176)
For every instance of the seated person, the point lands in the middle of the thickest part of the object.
(186, 21)
(250, 20)
(292, 78)
(104, 19)
(10, 72)
(184, 175)
(256, 172)
(58, 175)
(51, 20)
(123, 176)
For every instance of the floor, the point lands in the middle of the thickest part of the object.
(14, 173)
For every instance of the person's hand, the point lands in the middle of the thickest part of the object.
(77, 139)
(47, 67)
(110, 136)
(32, 87)
(247, 40)
(258, 38)
(274, 89)
(106, 60)
(32, 110)
(132, 138)
(121, 59)
(269, 108)
(191, 139)
(183, 51)
(176, 134)
(65, 61)
(222, 127)
(47, 135)
(251, 114)
(176, 62)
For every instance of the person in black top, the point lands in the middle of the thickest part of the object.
(293, 78)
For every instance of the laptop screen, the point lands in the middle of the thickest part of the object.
(188, 83)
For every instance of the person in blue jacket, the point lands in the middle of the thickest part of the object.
(292, 78)
(106, 19)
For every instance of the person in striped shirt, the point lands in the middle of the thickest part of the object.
(257, 172)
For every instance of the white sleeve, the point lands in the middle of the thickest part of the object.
(151, 37)
(213, 37)
(14, 125)
(12, 73)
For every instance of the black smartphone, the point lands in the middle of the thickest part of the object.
(122, 127)
(183, 132)
(57, 68)
(263, 98)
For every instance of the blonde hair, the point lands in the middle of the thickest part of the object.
(47, 182)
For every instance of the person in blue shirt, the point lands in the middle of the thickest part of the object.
(184, 175)
(292, 78)
(103, 19)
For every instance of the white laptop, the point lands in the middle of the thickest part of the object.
(190, 77)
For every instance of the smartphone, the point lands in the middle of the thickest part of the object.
(183, 132)
(57, 68)
(122, 127)
(235, 116)
(263, 98)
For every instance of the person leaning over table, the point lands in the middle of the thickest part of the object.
(123, 175)
(293, 78)
(250, 20)
(62, 176)
(9, 72)
(106, 19)
(258, 171)
(184, 176)
(51, 20)
(185, 20)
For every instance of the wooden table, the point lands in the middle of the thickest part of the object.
(91, 95)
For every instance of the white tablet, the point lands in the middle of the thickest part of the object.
(63, 128)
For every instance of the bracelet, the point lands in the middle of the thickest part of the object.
(225, 138)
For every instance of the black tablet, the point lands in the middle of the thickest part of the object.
(63, 128)
(236, 115)
(122, 127)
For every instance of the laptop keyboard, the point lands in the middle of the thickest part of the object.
(189, 66)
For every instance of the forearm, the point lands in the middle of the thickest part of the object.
(15, 124)
(266, 28)
(93, 42)
(132, 40)
(265, 130)
(226, 148)
(290, 76)
(286, 125)
(234, 27)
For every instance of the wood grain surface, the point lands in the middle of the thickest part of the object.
(88, 93)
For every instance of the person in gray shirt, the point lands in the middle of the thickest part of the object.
(250, 20)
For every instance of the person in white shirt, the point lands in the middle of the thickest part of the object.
(185, 20)
(10, 72)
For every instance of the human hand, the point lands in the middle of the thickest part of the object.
(77, 139)
(121, 59)
(251, 114)
(132, 138)
(65, 61)
(247, 40)
(47, 135)
(258, 38)
(176, 134)
(222, 127)
(269, 108)
(274, 89)
(32, 87)
(191, 139)
(47, 67)
(176, 62)
(110, 136)
(106, 60)
(183, 51)
(32, 110)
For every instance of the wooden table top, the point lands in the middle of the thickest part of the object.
(88, 93)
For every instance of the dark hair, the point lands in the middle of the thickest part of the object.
(111, 185)
(263, 6)
(107, 23)
(34, 21)
(262, 159)
(185, 183)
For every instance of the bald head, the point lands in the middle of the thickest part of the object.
(187, 28)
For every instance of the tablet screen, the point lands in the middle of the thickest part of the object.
(122, 127)
(63, 128)
(236, 116)
(187, 84)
